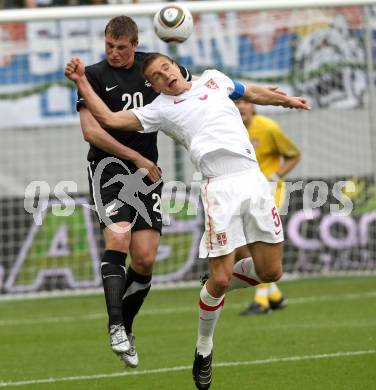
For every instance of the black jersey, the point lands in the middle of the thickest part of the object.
(123, 89)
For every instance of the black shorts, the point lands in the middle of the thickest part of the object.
(120, 193)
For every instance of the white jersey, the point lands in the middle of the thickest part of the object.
(203, 119)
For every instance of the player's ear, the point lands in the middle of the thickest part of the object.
(152, 85)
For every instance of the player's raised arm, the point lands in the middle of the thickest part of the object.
(272, 96)
(124, 120)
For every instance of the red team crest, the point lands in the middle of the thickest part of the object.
(212, 84)
(221, 238)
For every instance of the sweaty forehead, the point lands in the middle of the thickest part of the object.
(124, 40)
(157, 65)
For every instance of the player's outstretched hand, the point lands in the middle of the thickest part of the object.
(297, 102)
(74, 69)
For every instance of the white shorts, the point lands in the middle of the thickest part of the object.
(239, 209)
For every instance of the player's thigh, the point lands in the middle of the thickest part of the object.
(143, 249)
(242, 253)
(267, 258)
(117, 236)
(114, 215)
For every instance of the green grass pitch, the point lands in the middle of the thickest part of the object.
(324, 339)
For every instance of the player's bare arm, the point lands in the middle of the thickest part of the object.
(272, 96)
(96, 135)
(125, 120)
(287, 166)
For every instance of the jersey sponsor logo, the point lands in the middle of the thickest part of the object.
(177, 101)
(111, 88)
(221, 238)
(147, 84)
(211, 84)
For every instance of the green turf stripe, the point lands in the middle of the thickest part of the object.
(184, 309)
(183, 368)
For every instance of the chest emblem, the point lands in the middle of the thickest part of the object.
(211, 84)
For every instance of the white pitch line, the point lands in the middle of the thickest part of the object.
(177, 310)
(183, 368)
(52, 320)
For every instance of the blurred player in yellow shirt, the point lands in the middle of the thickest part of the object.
(277, 156)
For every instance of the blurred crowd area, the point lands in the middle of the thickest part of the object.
(8, 4)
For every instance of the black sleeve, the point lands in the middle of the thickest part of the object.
(186, 73)
(94, 84)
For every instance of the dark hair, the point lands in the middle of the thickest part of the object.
(121, 26)
(149, 59)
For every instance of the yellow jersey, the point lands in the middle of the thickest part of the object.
(271, 144)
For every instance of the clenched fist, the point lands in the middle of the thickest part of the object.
(74, 69)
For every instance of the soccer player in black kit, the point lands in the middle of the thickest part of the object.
(118, 81)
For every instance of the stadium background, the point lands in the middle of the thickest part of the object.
(326, 54)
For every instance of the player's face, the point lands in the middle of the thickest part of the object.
(120, 51)
(246, 110)
(165, 76)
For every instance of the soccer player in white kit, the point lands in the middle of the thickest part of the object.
(201, 117)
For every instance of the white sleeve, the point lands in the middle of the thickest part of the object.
(149, 116)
